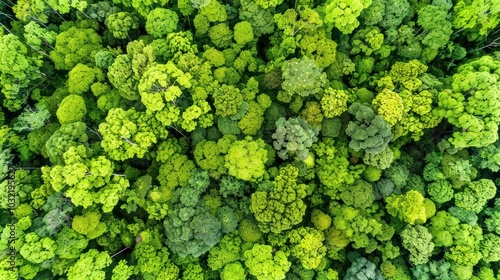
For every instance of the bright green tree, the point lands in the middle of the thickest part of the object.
(282, 207)
(245, 159)
(160, 22)
(72, 109)
(121, 24)
(17, 70)
(75, 45)
(264, 264)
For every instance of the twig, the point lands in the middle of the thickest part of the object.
(5, 28)
(119, 252)
(128, 140)
(7, 15)
(94, 130)
(178, 131)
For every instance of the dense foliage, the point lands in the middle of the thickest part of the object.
(250, 139)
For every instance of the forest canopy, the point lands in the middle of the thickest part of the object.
(250, 139)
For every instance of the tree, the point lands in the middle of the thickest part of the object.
(36, 249)
(227, 100)
(64, 7)
(307, 246)
(408, 82)
(160, 22)
(87, 181)
(213, 10)
(101, 10)
(82, 77)
(227, 251)
(389, 105)
(263, 264)
(209, 156)
(39, 38)
(262, 20)
(162, 83)
(32, 118)
(302, 77)
(490, 248)
(72, 109)
(251, 122)
(331, 166)
(475, 195)
(127, 69)
(359, 194)
(90, 265)
(475, 17)
(472, 104)
(17, 71)
(221, 35)
(382, 160)
(344, 14)
(129, 133)
(437, 29)
(121, 24)
(243, 32)
(294, 136)
(434, 270)
(75, 45)
(334, 102)
(122, 271)
(143, 8)
(410, 207)
(151, 259)
(418, 241)
(68, 135)
(363, 269)
(191, 229)
(70, 244)
(368, 131)
(245, 159)
(394, 13)
(234, 271)
(282, 207)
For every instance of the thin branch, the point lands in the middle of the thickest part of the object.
(458, 31)
(55, 11)
(119, 252)
(6, 4)
(38, 51)
(33, 87)
(26, 168)
(418, 31)
(73, 11)
(94, 130)
(38, 21)
(128, 140)
(495, 32)
(7, 15)
(491, 45)
(178, 131)
(5, 28)
(48, 44)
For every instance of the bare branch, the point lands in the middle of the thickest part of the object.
(119, 252)
(128, 140)
(94, 130)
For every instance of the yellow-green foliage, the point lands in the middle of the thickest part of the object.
(389, 105)
(72, 109)
(410, 207)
